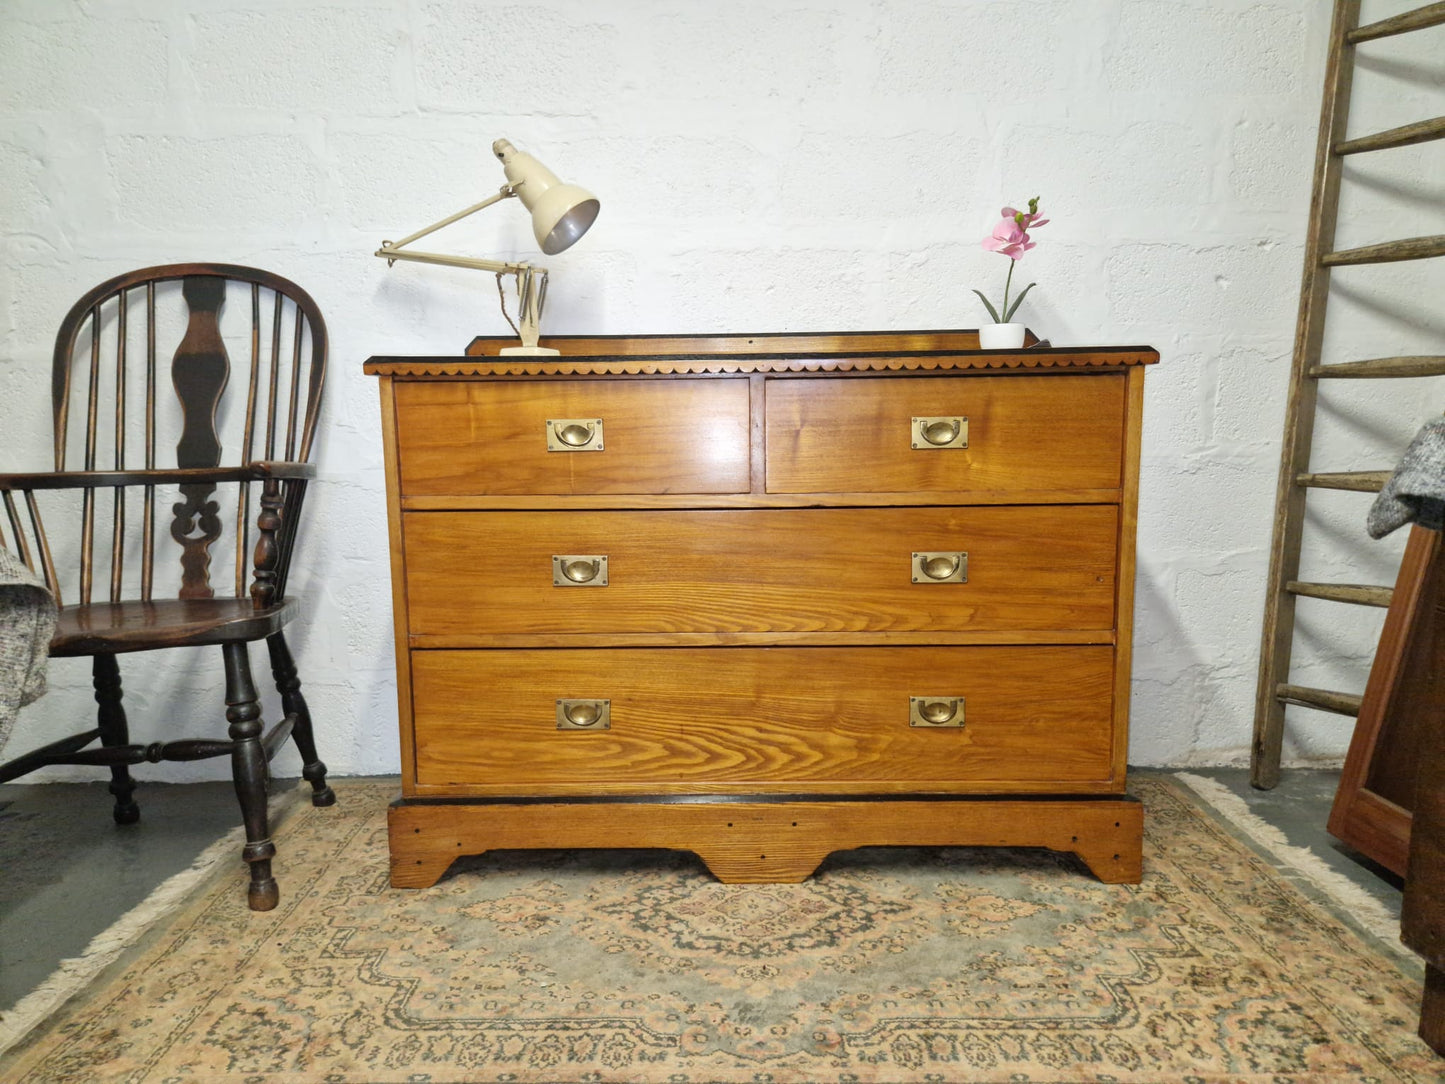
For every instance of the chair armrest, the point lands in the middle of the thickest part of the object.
(280, 468)
(104, 479)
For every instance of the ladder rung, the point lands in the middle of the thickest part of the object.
(1418, 19)
(1358, 594)
(1406, 135)
(1324, 699)
(1418, 365)
(1411, 248)
(1357, 481)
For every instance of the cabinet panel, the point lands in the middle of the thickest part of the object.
(1023, 433)
(685, 435)
(803, 570)
(764, 720)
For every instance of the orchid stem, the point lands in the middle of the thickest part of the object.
(1006, 284)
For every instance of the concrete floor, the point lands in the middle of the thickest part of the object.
(69, 871)
(1299, 807)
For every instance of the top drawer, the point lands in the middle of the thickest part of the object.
(1024, 433)
(465, 437)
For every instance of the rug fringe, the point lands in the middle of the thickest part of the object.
(1364, 908)
(74, 974)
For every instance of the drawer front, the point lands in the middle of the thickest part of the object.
(491, 437)
(775, 570)
(1025, 433)
(758, 720)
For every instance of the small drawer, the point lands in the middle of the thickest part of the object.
(751, 720)
(477, 437)
(829, 570)
(945, 434)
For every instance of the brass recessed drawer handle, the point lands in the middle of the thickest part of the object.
(940, 567)
(579, 570)
(935, 711)
(574, 434)
(940, 433)
(584, 714)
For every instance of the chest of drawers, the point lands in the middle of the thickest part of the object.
(763, 598)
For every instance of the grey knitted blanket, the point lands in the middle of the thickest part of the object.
(1416, 490)
(27, 621)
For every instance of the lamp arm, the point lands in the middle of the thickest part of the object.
(505, 192)
(391, 254)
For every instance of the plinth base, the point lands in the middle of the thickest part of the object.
(764, 840)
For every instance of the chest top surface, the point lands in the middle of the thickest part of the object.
(881, 352)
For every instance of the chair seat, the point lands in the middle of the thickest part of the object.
(116, 627)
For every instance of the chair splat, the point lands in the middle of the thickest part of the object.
(199, 373)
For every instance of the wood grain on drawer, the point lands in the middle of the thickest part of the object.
(781, 570)
(1024, 433)
(660, 436)
(763, 720)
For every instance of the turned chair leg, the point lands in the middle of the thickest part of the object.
(248, 769)
(313, 769)
(105, 675)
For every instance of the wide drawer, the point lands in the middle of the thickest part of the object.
(763, 720)
(1024, 433)
(473, 574)
(459, 437)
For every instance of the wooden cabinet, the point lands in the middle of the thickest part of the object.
(763, 598)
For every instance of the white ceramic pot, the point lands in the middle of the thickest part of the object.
(1001, 336)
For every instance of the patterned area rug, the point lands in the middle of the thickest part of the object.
(909, 965)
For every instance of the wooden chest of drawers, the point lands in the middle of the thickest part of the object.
(763, 597)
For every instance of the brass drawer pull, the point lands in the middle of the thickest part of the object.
(574, 434)
(584, 714)
(940, 568)
(579, 570)
(935, 711)
(940, 433)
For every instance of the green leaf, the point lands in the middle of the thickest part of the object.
(1017, 301)
(989, 306)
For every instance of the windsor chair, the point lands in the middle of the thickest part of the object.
(106, 359)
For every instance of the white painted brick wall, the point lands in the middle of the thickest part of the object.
(795, 165)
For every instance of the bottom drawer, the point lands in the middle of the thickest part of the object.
(763, 720)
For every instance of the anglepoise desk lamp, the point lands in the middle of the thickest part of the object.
(561, 213)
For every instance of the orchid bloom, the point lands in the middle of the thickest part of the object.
(1009, 238)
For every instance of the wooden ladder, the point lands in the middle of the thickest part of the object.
(1275, 691)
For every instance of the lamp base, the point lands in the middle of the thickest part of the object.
(545, 350)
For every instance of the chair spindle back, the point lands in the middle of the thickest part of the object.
(282, 401)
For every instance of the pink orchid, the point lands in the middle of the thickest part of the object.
(1011, 238)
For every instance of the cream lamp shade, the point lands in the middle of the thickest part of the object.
(561, 213)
